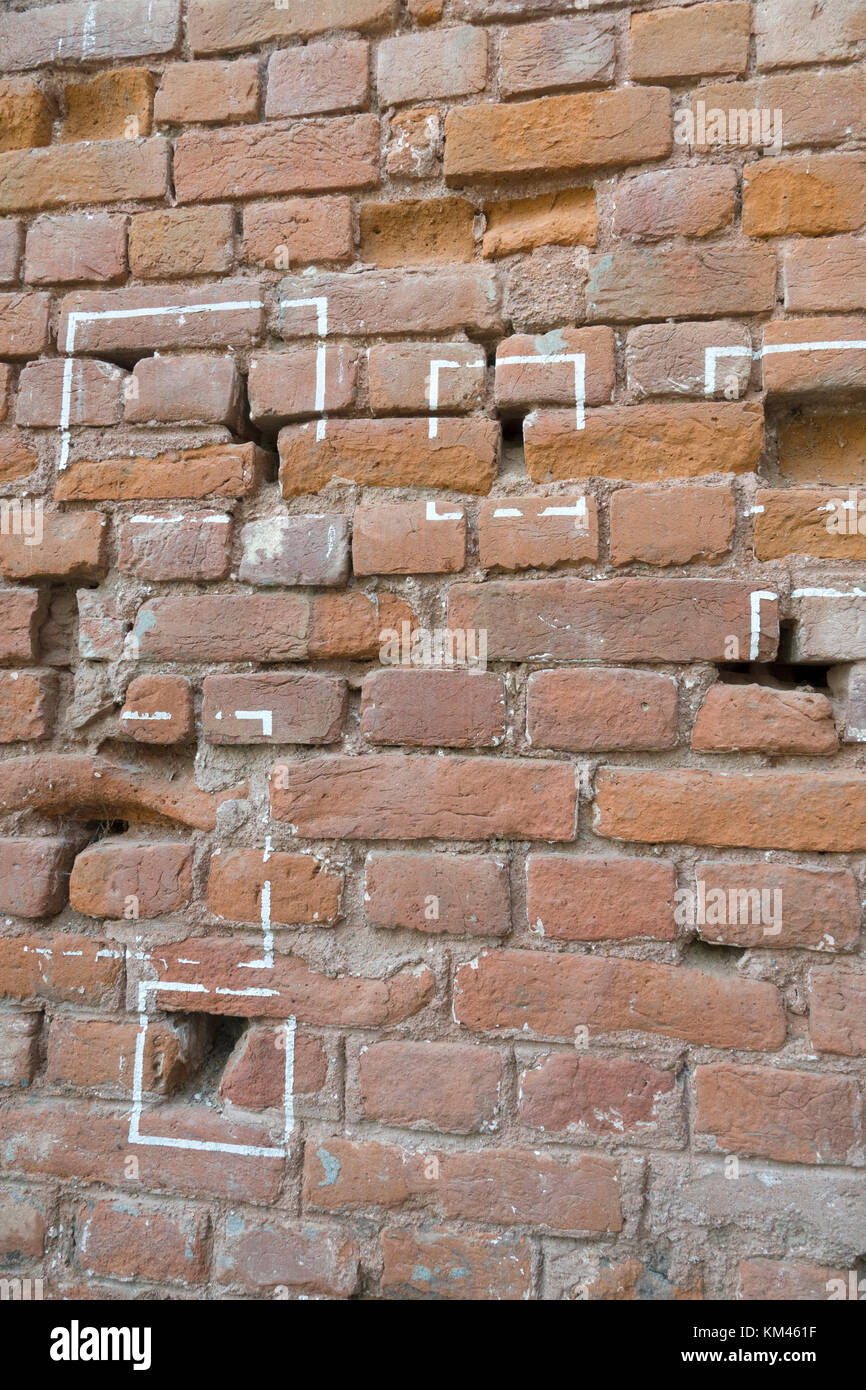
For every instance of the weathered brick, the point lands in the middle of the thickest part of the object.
(440, 1086)
(804, 108)
(692, 40)
(596, 709)
(814, 371)
(207, 324)
(828, 624)
(318, 78)
(632, 283)
(449, 709)
(75, 246)
(24, 324)
(285, 385)
(788, 32)
(62, 967)
(292, 550)
(23, 1225)
(34, 875)
(98, 171)
(224, 627)
(614, 620)
(221, 470)
(219, 24)
(816, 909)
(787, 1280)
(11, 241)
(758, 719)
(670, 359)
(837, 1018)
(584, 898)
(504, 1186)
(671, 526)
(21, 615)
(823, 448)
(410, 232)
(94, 393)
(252, 161)
(174, 243)
(791, 1116)
(825, 273)
(414, 150)
(419, 67)
(19, 1048)
(302, 888)
(158, 709)
(255, 1074)
(567, 218)
(462, 456)
(393, 796)
(599, 1095)
(185, 388)
(208, 91)
(813, 197)
(526, 532)
(26, 114)
(143, 1240)
(273, 707)
(27, 704)
(296, 231)
(393, 302)
(570, 53)
(408, 538)
(73, 546)
(272, 1252)
(175, 547)
(643, 443)
(552, 134)
(759, 810)
(97, 1053)
(87, 31)
(113, 105)
(399, 376)
(465, 895)
(552, 994)
(677, 202)
(420, 1263)
(108, 875)
(526, 385)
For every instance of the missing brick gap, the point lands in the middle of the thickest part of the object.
(778, 675)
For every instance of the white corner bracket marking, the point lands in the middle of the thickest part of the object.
(755, 600)
(441, 364)
(552, 358)
(712, 354)
(321, 303)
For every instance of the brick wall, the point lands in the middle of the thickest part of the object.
(338, 340)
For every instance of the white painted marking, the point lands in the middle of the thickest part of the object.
(507, 511)
(157, 714)
(441, 364)
(321, 303)
(265, 715)
(431, 514)
(579, 360)
(755, 599)
(712, 354)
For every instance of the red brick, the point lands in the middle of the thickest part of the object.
(285, 708)
(790, 1116)
(813, 197)
(197, 387)
(556, 134)
(586, 898)
(669, 359)
(613, 620)
(465, 895)
(398, 797)
(634, 283)
(414, 149)
(505, 1187)
(417, 232)
(95, 392)
(758, 719)
(290, 987)
(62, 967)
(126, 1239)
(27, 704)
(837, 1017)
(302, 888)
(253, 161)
(826, 274)
(291, 550)
(224, 627)
(599, 1095)
(95, 171)
(808, 521)
(122, 878)
(21, 615)
(390, 302)
(690, 41)
(525, 532)
(399, 376)
(175, 243)
(16, 459)
(112, 105)
(552, 994)
(671, 526)
(759, 810)
(11, 241)
(522, 386)
(98, 1054)
(219, 470)
(297, 231)
(419, 67)
(272, 1252)
(72, 547)
(23, 1224)
(676, 202)
(817, 106)
(208, 91)
(810, 372)
(429, 1085)
(595, 709)
(218, 24)
(158, 709)
(645, 443)
(408, 538)
(24, 324)
(451, 709)
(566, 218)
(236, 327)
(437, 1265)
(283, 385)
(573, 53)
(255, 1074)
(76, 1139)
(818, 909)
(788, 32)
(34, 875)
(19, 1048)
(787, 1280)
(85, 31)
(26, 114)
(463, 456)
(175, 547)
(318, 78)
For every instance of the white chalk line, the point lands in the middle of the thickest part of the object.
(552, 358)
(441, 364)
(321, 303)
(712, 354)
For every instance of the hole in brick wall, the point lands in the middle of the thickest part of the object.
(780, 675)
(102, 829)
(224, 1033)
(513, 456)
